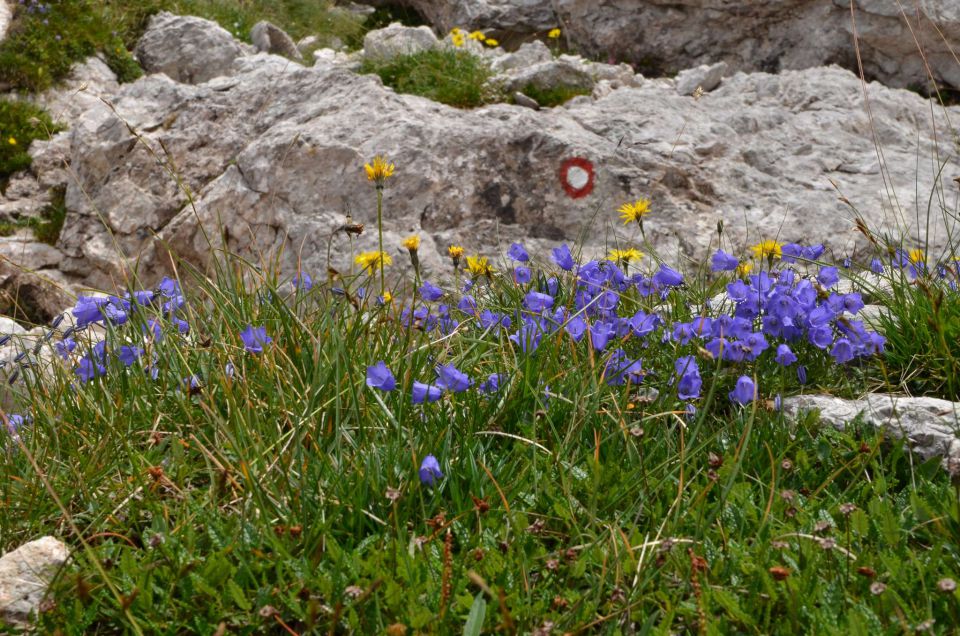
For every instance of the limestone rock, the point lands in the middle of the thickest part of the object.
(186, 48)
(396, 39)
(83, 87)
(929, 425)
(282, 167)
(705, 77)
(269, 38)
(25, 574)
(527, 102)
(750, 35)
(6, 15)
(24, 254)
(34, 298)
(10, 327)
(550, 75)
(529, 54)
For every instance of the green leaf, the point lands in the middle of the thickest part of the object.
(478, 611)
(236, 594)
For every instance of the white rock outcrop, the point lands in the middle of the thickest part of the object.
(25, 574)
(930, 426)
(186, 48)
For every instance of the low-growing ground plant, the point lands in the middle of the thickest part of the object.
(522, 444)
(452, 76)
(20, 123)
(551, 97)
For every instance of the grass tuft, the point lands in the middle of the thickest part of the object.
(20, 123)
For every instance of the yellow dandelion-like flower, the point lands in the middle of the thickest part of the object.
(458, 40)
(412, 243)
(370, 261)
(917, 256)
(456, 31)
(634, 212)
(455, 251)
(479, 266)
(479, 36)
(554, 34)
(387, 297)
(744, 268)
(624, 256)
(767, 249)
(379, 170)
(491, 43)
(12, 141)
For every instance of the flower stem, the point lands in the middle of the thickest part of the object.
(380, 234)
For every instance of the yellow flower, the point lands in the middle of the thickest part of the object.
(12, 141)
(917, 256)
(634, 212)
(479, 266)
(412, 243)
(387, 297)
(478, 36)
(767, 249)
(370, 261)
(554, 34)
(491, 43)
(458, 40)
(455, 251)
(624, 256)
(456, 31)
(744, 268)
(379, 170)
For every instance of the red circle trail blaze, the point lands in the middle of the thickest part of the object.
(576, 177)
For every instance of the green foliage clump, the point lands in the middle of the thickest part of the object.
(450, 76)
(549, 97)
(921, 321)
(45, 39)
(20, 124)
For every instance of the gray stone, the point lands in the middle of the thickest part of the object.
(25, 575)
(187, 49)
(396, 39)
(24, 254)
(929, 425)
(281, 167)
(6, 15)
(750, 35)
(85, 85)
(527, 102)
(10, 327)
(269, 38)
(705, 77)
(34, 298)
(550, 75)
(529, 54)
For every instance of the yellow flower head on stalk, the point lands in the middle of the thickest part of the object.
(479, 36)
(456, 31)
(379, 170)
(370, 261)
(634, 212)
(624, 256)
(917, 256)
(479, 266)
(554, 34)
(387, 297)
(12, 141)
(491, 43)
(768, 249)
(457, 37)
(412, 243)
(744, 268)
(455, 251)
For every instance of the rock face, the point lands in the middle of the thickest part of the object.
(25, 574)
(930, 426)
(283, 167)
(187, 49)
(660, 36)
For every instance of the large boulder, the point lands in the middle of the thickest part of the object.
(186, 48)
(265, 169)
(660, 36)
(25, 574)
